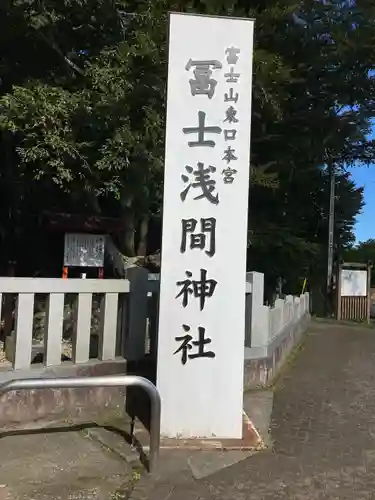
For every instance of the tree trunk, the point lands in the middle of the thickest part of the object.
(127, 241)
(123, 255)
(112, 254)
(114, 257)
(143, 232)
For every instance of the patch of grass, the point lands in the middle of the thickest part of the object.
(353, 323)
(290, 361)
(124, 492)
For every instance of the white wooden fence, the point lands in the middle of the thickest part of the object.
(56, 289)
(268, 326)
(128, 317)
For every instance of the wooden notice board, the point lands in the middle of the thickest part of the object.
(354, 291)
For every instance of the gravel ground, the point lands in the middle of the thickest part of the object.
(323, 430)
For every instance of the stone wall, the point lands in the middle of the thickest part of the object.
(38, 408)
(260, 371)
(272, 332)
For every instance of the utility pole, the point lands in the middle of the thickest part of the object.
(331, 225)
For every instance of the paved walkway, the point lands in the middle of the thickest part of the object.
(323, 427)
(59, 465)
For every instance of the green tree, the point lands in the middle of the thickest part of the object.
(290, 234)
(91, 122)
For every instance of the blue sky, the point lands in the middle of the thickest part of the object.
(365, 176)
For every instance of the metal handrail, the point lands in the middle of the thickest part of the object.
(105, 381)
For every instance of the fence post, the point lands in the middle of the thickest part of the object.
(280, 304)
(307, 302)
(137, 313)
(248, 308)
(257, 288)
(259, 314)
(154, 281)
(260, 325)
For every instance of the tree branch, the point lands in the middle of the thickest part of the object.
(66, 59)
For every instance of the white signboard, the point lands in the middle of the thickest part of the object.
(203, 271)
(84, 250)
(353, 283)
